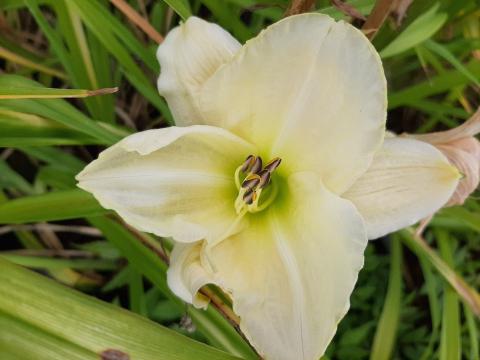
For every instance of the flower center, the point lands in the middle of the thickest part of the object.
(256, 191)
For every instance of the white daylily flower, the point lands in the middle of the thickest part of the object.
(285, 243)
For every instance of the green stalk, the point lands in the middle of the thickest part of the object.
(386, 333)
(421, 248)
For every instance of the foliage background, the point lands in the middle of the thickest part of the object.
(402, 308)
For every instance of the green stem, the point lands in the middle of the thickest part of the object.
(418, 245)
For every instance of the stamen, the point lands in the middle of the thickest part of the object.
(257, 165)
(249, 197)
(252, 186)
(251, 181)
(247, 165)
(264, 176)
(273, 164)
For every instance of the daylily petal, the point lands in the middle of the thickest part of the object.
(290, 273)
(464, 154)
(469, 128)
(175, 182)
(407, 181)
(186, 275)
(309, 90)
(188, 56)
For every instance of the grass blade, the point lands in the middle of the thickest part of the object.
(181, 7)
(385, 335)
(447, 55)
(418, 31)
(421, 248)
(49, 263)
(55, 109)
(49, 321)
(450, 342)
(13, 92)
(212, 325)
(57, 205)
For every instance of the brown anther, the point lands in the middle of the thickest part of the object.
(264, 178)
(273, 164)
(249, 197)
(251, 181)
(247, 165)
(257, 165)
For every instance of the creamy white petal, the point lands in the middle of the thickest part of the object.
(469, 128)
(177, 181)
(464, 154)
(188, 56)
(407, 181)
(309, 90)
(290, 273)
(186, 275)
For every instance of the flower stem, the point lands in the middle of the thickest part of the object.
(419, 246)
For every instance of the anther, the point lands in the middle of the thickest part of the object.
(251, 181)
(256, 178)
(247, 165)
(273, 164)
(257, 165)
(264, 176)
(249, 197)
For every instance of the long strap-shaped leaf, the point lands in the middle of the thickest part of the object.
(40, 319)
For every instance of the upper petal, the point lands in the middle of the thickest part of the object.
(175, 182)
(407, 181)
(188, 56)
(309, 90)
(290, 273)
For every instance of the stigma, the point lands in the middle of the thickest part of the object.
(252, 179)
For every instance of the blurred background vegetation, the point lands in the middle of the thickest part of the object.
(404, 305)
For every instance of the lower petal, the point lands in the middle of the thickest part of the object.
(407, 181)
(291, 272)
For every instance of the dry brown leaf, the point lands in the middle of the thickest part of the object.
(299, 7)
(348, 10)
(399, 9)
(377, 17)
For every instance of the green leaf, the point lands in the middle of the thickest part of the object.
(473, 333)
(39, 262)
(447, 55)
(107, 20)
(435, 311)
(468, 218)
(58, 205)
(450, 341)
(130, 69)
(47, 321)
(210, 323)
(422, 249)
(22, 129)
(55, 109)
(84, 75)
(13, 92)
(433, 86)
(23, 61)
(10, 179)
(181, 7)
(386, 333)
(418, 31)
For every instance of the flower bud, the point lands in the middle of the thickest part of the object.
(462, 149)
